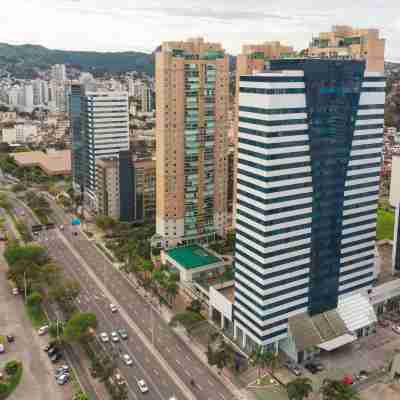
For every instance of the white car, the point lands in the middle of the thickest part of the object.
(2, 349)
(142, 386)
(114, 337)
(15, 291)
(113, 308)
(127, 359)
(43, 330)
(396, 328)
(104, 337)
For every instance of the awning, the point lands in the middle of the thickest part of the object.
(337, 342)
(356, 312)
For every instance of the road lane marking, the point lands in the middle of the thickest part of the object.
(221, 396)
(187, 373)
(156, 372)
(178, 362)
(211, 384)
(199, 386)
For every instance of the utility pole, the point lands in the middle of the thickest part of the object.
(152, 324)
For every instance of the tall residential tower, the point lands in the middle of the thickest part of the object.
(309, 153)
(192, 95)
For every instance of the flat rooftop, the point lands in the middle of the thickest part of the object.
(194, 256)
(51, 163)
(228, 292)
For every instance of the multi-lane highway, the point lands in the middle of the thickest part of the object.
(160, 357)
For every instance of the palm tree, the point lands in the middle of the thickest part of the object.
(299, 388)
(172, 290)
(271, 360)
(336, 390)
(256, 358)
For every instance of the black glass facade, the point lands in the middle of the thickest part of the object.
(126, 186)
(76, 134)
(332, 90)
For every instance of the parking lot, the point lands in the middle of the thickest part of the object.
(38, 381)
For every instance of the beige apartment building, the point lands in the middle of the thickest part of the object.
(345, 41)
(107, 187)
(192, 95)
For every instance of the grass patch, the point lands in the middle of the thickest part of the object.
(37, 316)
(10, 382)
(385, 225)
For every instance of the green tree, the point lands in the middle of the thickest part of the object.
(65, 293)
(34, 300)
(299, 389)
(262, 358)
(106, 223)
(77, 327)
(337, 390)
(31, 253)
(187, 319)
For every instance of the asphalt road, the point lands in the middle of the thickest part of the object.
(174, 351)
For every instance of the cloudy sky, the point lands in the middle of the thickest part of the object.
(114, 25)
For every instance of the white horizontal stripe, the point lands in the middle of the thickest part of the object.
(281, 257)
(260, 161)
(280, 150)
(378, 84)
(272, 117)
(256, 307)
(275, 299)
(281, 183)
(273, 290)
(361, 122)
(371, 111)
(272, 85)
(360, 200)
(377, 141)
(353, 182)
(369, 98)
(276, 128)
(358, 219)
(360, 247)
(271, 270)
(356, 265)
(358, 134)
(345, 286)
(363, 152)
(355, 256)
(274, 237)
(344, 278)
(372, 207)
(274, 195)
(365, 161)
(283, 139)
(372, 188)
(366, 170)
(370, 235)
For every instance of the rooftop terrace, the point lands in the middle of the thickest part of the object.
(194, 256)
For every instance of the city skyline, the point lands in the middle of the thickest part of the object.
(126, 22)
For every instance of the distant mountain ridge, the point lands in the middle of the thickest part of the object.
(23, 60)
(27, 57)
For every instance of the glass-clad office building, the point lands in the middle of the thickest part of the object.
(309, 153)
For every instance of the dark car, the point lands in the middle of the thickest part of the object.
(56, 357)
(52, 351)
(383, 323)
(311, 367)
(293, 367)
(10, 338)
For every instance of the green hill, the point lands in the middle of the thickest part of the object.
(25, 58)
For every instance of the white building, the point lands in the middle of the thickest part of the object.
(106, 131)
(20, 133)
(309, 153)
(58, 72)
(394, 196)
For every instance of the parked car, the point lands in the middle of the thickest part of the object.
(114, 337)
(311, 367)
(383, 323)
(43, 330)
(127, 359)
(2, 348)
(55, 357)
(396, 329)
(142, 386)
(113, 308)
(293, 367)
(123, 333)
(15, 291)
(63, 379)
(10, 338)
(104, 337)
(52, 351)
